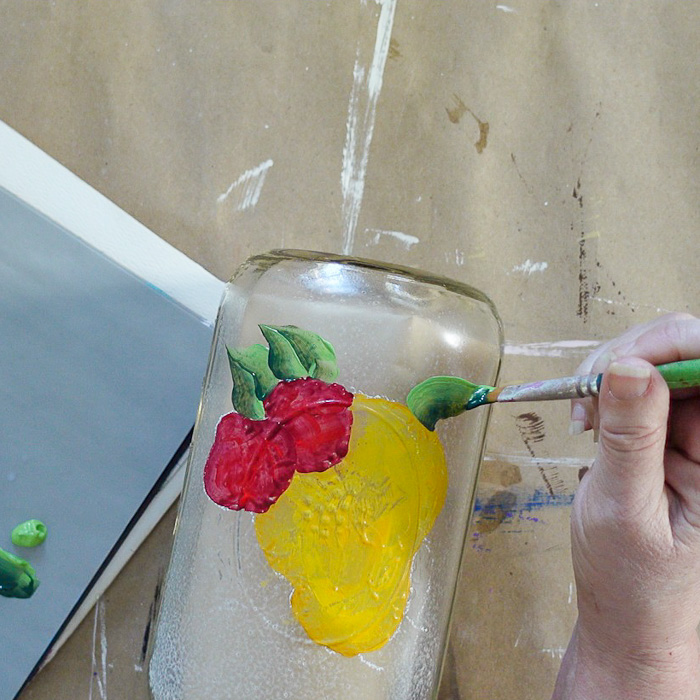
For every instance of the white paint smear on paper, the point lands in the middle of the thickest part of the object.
(555, 652)
(366, 86)
(528, 267)
(631, 306)
(560, 348)
(527, 460)
(247, 188)
(99, 668)
(406, 239)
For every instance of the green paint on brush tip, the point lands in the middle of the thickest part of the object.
(30, 533)
(439, 397)
(17, 577)
(479, 397)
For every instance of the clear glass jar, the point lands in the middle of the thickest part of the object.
(343, 586)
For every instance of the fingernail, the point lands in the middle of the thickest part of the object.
(628, 379)
(578, 420)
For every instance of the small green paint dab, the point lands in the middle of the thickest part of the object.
(30, 533)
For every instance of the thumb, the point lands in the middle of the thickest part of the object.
(633, 413)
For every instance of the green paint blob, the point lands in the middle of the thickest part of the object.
(17, 577)
(440, 397)
(479, 397)
(30, 533)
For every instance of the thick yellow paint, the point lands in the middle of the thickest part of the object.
(345, 538)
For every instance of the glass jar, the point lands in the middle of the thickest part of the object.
(321, 559)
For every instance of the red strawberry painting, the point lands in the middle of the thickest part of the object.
(252, 462)
(345, 488)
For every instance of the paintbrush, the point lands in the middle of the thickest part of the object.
(443, 397)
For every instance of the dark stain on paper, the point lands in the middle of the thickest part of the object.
(152, 612)
(588, 286)
(394, 52)
(455, 114)
(532, 431)
(531, 428)
(617, 297)
(498, 471)
(500, 506)
(528, 187)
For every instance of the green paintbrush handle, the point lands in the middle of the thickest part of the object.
(678, 375)
(681, 374)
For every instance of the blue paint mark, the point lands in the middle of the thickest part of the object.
(533, 501)
(512, 513)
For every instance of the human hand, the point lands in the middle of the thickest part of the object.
(635, 525)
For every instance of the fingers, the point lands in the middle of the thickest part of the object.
(675, 337)
(683, 476)
(684, 434)
(683, 463)
(633, 414)
(669, 338)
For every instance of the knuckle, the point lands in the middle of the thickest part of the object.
(675, 316)
(680, 328)
(627, 440)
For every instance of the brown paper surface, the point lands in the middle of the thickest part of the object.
(544, 152)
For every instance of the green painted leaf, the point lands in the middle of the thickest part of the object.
(282, 359)
(439, 397)
(316, 354)
(243, 395)
(254, 359)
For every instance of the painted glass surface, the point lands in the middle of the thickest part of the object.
(346, 487)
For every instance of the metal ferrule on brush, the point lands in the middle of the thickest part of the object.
(551, 389)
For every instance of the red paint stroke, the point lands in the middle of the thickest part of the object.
(250, 465)
(318, 417)
(251, 462)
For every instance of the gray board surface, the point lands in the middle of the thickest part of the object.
(100, 377)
